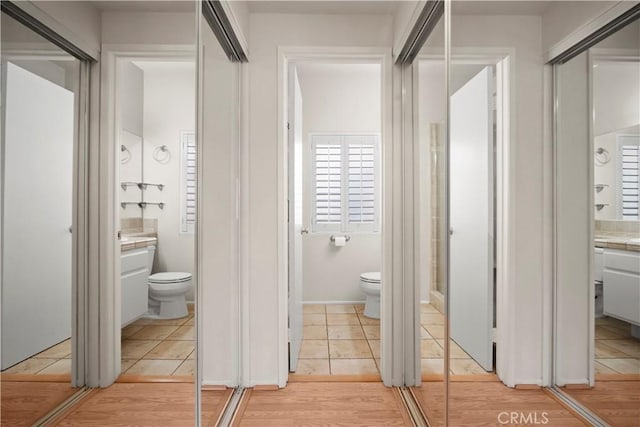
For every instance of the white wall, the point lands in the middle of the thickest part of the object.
(268, 31)
(149, 28)
(337, 98)
(169, 107)
(616, 95)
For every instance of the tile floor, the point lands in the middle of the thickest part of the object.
(148, 347)
(617, 352)
(432, 350)
(338, 339)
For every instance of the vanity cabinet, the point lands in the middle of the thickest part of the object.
(621, 279)
(134, 287)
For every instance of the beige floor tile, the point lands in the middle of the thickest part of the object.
(184, 333)
(171, 350)
(432, 366)
(622, 366)
(190, 322)
(313, 309)
(314, 319)
(312, 332)
(372, 332)
(154, 367)
(30, 366)
(424, 334)
(631, 347)
(455, 351)
(604, 332)
(342, 319)
(430, 349)
(188, 367)
(353, 367)
(599, 368)
(359, 308)
(465, 367)
(431, 319)
(313, 367)
(340, 308)
(428, 308)
(192, 355)
(191, 308)
(314, 349)
(604, 351)
(61, 367)
(57, 351)
(368, 321)
(126, 364)
(129, 331)
(349, 349)
(136, 349)
(345, 332)
(436, 331)
(161, 322)
(153, 332)
(375, 348)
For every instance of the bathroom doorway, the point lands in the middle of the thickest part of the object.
(335, 141)
(154, 132)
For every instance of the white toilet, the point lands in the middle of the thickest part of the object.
(167, 292)
(370, 285)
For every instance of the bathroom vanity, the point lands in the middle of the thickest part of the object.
(134, 274)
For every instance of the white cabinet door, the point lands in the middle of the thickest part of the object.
(134, 284)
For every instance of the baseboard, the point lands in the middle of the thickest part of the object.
(333, 302)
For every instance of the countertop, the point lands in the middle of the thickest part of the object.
(137, 240)
(616, 240)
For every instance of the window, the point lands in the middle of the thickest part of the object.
(345, 181)
(628, 178)
(189, 179)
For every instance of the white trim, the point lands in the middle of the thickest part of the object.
(399, 44)
(109, 224)
(588, 28)
(381, 56)
(235, 26)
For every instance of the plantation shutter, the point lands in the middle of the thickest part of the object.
(629, 191)
(189, 187)
(327, 171)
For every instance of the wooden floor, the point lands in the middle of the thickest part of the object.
(23, 403)
(149, 404)
(485, 403)
(323, 404)
(616, 402)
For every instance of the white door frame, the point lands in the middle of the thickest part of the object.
(381, 56)
(504, 61)
(110, 307)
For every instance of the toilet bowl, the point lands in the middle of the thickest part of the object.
(370, 285)
(167, 292)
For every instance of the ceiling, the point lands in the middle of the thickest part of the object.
(325, 7)
(505, 7)
(144, 5)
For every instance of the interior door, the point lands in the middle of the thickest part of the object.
(471, 234)
(295, 218)
(37, 214)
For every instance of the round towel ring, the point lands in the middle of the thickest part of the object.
(162, 154)
(602, 156)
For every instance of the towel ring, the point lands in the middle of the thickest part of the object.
(602, 156)
(161, 154)
(127, 154)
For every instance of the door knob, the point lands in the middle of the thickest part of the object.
(451, 231)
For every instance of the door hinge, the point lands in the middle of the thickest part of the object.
(288, 126)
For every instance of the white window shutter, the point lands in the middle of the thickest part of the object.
(629, 156)
(189, 181)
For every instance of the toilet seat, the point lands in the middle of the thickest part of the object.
(169, 277)
(370, 277)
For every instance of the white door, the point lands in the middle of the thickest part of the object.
(37, 185)
(471, 234)
(295, 218)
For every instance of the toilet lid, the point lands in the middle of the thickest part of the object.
(169, 277)
(371, 277)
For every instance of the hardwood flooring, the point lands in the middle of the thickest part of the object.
(324, 404)
(491, 403)
(23, 403)
(616, 402)
(148, 404)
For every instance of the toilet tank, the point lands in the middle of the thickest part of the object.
(151, 253)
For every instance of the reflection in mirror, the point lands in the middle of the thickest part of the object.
(40, 91)
(429, 79)
(598, 281)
